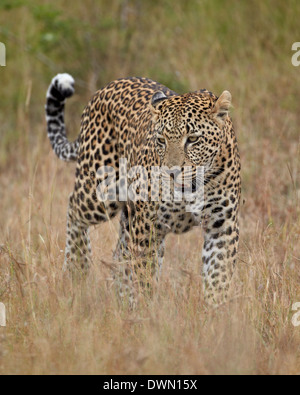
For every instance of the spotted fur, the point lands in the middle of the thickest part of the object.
(62, 87)
(150, 125)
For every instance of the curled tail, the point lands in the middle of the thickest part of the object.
(61, 88)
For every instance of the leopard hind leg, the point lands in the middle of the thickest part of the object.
(78, 245)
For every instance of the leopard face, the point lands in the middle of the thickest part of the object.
(189, 130)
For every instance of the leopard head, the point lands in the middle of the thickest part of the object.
(189, 129)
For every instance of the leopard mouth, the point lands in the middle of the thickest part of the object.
(186, 188)
(182, 186)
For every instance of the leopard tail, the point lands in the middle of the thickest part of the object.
(61, 88)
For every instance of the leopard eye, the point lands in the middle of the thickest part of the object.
(161, 141)
(192, 139)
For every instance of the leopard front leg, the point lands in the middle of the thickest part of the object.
(221, 240)
(139, 254)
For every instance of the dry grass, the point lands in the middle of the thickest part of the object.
(57, 327)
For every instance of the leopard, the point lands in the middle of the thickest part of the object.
(147, 126)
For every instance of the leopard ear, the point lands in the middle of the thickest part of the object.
(156, 100)
(221, 108)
